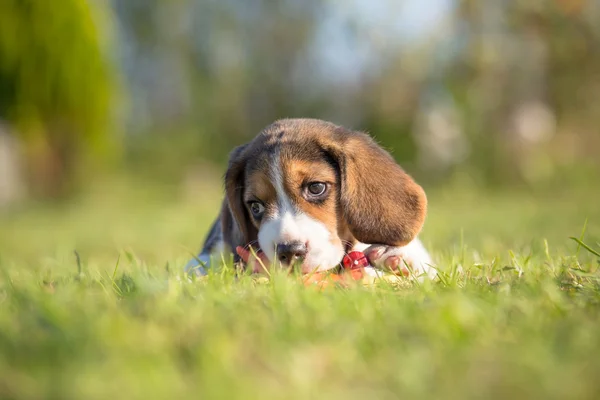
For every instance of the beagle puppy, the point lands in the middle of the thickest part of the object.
(307, 191)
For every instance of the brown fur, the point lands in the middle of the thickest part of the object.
(235, 220)
(259, 186)
(380, 202)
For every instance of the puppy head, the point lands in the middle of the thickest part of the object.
(307, 190)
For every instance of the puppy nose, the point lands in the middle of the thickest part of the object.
(288, 253)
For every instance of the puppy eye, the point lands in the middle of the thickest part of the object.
(256, 208)
(317, 188)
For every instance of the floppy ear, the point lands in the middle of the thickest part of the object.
(380, 202)
(235, 221)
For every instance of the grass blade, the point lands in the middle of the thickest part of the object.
(116, 268)
(585, 246)
(580, 241)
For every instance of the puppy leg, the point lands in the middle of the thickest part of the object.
(213, 244)
(413, 254)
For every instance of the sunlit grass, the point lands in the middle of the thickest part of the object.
(516, 313)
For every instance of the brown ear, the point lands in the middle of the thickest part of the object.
(235, 221)
(380, 202)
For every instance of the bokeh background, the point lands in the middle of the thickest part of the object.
(116, 117)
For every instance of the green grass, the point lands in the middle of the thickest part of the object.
(516, 315)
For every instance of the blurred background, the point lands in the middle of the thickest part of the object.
(110, 108)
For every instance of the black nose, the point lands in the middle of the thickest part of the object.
(291, 252)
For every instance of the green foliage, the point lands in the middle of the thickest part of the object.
(57, 84)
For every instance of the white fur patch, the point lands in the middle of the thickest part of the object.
(290, 224)
(360, 246)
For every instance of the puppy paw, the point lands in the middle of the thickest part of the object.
(388, 258)
(410, 260)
